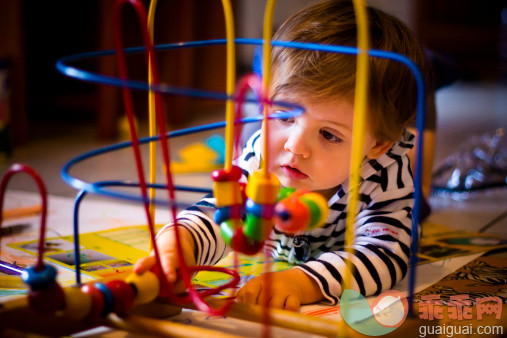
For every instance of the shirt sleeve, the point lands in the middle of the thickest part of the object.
(379, 252)
(198, 219)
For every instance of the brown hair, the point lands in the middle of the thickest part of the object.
(321, 75)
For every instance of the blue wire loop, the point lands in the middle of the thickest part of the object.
(63, 66)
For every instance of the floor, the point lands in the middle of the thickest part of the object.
(464, 110)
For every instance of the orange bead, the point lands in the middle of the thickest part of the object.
(291, 215)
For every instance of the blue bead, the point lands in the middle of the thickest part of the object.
(221, 214)
(39, 279)
(253, 208)
(108, 299)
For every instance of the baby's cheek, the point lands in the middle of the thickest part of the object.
(331, 173)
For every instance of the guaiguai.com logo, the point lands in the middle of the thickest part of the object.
(386, 313)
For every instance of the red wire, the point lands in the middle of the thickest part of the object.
(253, 82)
(185, 272)
(249, 81)
(15, 168)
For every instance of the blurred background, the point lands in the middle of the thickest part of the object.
(46, 119)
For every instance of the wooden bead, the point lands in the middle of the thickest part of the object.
(243, 244)
(147, 286)
(97, 300)
(257, 228)
(242, 189)
(320, 209)
(227, 193)
(39, 279)
(253, 208)
(234, 174)
(123, 294)
(262, 188)
(291, 215)
(285, 192)
(228, 228)
(313, 210)
(108, 299)
(77, 303)
(222, 214)
(47, 300)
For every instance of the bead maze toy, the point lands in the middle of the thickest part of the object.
(245, 212)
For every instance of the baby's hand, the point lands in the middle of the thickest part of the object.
(289, 289)
(166, 244)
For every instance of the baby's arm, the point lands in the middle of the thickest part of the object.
(200, 240)
(166, 244)
(380, 249)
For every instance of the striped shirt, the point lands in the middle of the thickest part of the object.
(382, 231)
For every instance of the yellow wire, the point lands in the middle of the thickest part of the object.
(358, 133)
(266, 63)
(230, 83)
(358, 130)
(152, 123)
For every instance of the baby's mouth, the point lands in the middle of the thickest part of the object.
(293, 173)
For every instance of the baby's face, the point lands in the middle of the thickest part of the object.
(312, 151)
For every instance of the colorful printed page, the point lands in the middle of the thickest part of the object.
(106, 253)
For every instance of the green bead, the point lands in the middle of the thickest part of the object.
(227, 230)
(314, 210)
(285, 192)
(254, 228)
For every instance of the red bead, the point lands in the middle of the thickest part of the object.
(47, 300)
(234, 174)
(123, 295)
(242, 188)
(97, 300)
(242, 244)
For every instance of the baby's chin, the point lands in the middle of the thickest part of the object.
(297, 184)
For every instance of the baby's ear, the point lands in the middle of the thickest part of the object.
(378, 149)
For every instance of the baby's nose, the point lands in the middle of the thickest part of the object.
(298, 144)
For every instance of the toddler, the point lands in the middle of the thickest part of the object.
(312, 151)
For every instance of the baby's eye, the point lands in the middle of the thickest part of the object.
(329, 136)
(286, 119)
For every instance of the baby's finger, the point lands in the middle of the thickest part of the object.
(276, 301)
(264, 296)
(144, 264)
(169, 265)
(250, 292)
(292, 303)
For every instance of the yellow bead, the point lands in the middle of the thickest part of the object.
(262, 188)
(77, 303)
(321, 203)
(147, 286)
(227, 193)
